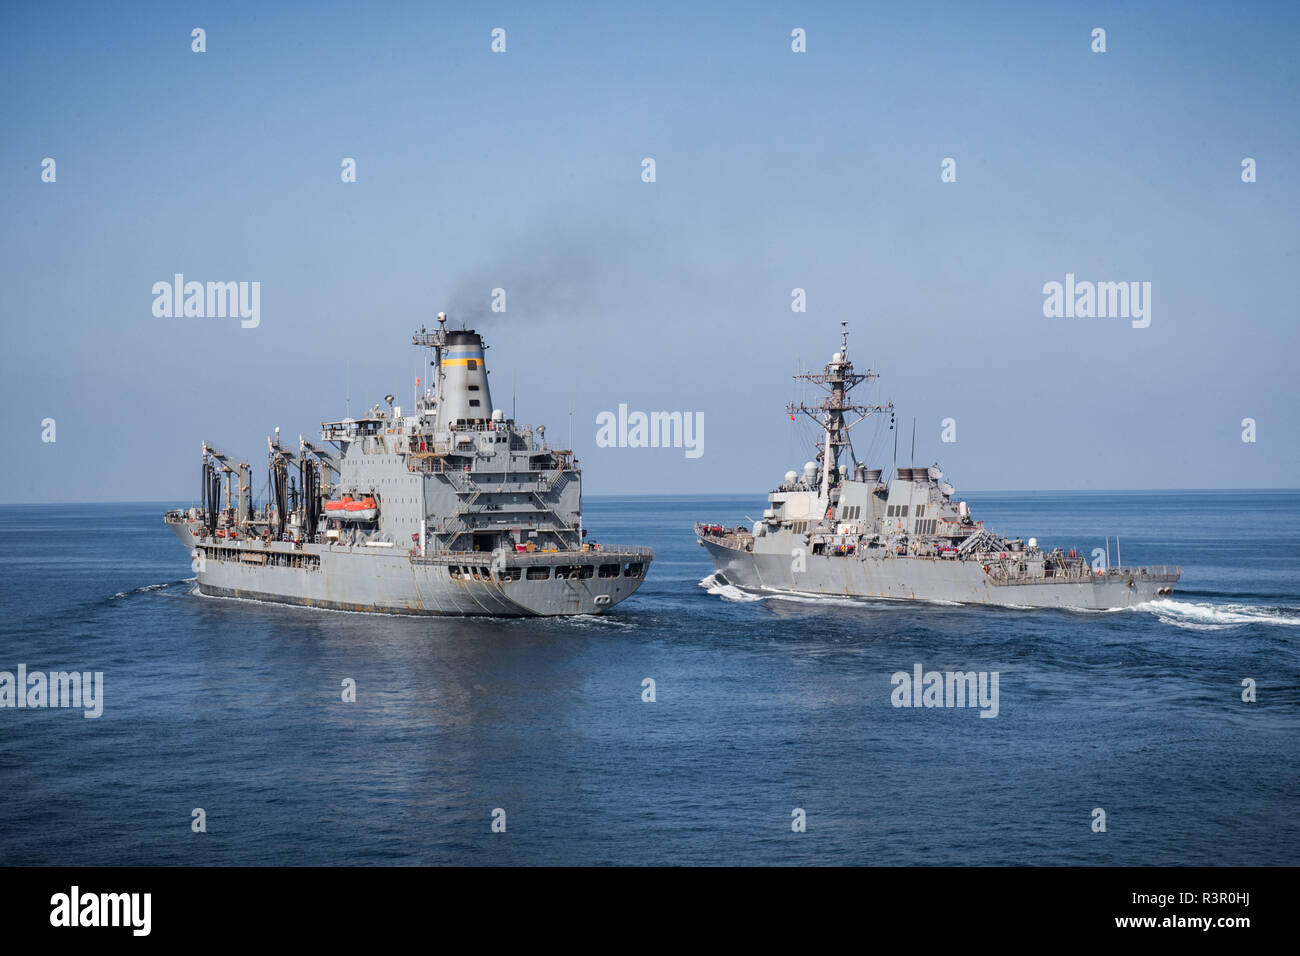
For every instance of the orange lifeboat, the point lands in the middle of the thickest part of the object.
(348, 508)
(363, 509)
(337, 509)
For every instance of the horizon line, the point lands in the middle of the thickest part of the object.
(720, 494)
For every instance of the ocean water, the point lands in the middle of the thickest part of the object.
(763, 705)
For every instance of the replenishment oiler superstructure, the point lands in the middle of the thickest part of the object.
(844, 530)
(452, 508)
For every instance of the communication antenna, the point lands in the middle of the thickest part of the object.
(895, 431)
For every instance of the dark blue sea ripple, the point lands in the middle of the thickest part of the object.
(764, 705)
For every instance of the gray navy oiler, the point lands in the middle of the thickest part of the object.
(452, 509)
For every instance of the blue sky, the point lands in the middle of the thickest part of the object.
(775, 170)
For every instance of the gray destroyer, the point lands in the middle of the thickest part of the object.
(845, 531)
(451, 508)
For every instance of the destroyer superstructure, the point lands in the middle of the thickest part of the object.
(452, 508)
(843, 529)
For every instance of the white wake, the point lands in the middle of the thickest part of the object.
(729, 592)
(1204, 616)
(1185, 614)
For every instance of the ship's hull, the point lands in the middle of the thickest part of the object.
(385, 580)
(923, 579)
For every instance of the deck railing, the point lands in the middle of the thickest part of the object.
(605, 552)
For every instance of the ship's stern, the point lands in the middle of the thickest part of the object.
(588, 582)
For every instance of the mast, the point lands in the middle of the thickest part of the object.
(434, 341)
(839, 380)
(437, 354)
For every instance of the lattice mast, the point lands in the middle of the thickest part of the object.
(839, 380)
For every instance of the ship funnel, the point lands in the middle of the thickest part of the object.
(463, 394)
